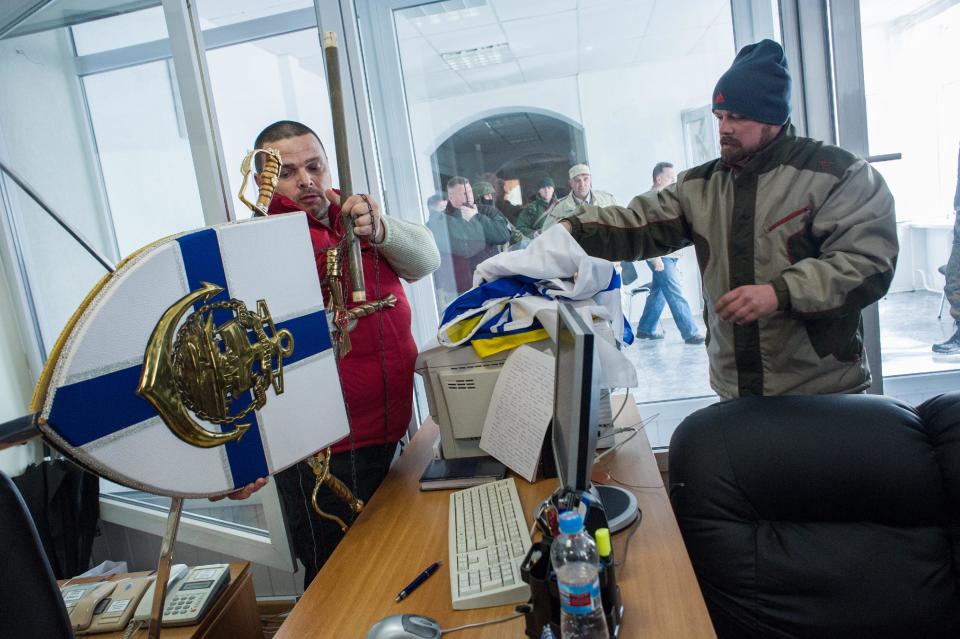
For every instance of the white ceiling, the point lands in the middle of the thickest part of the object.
(876, 12)
(549, 39)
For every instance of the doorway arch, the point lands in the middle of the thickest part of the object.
(518, 144)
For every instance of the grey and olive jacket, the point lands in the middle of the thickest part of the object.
(568, 204)
(813, 220)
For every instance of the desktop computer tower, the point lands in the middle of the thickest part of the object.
(459, 386)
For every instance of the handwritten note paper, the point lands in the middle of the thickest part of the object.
(520, 411)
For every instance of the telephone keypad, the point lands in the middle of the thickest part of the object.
(182, 604)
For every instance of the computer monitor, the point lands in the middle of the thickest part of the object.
(574, 427)
(576, 396)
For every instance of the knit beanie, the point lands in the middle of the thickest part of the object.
(482, 188)
(545, 181)
(757, 84)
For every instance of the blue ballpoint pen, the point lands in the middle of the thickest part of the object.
(419, 579)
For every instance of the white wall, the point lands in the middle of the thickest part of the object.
(912, 84)
(912, 90)
(16, 382)
(44, 136)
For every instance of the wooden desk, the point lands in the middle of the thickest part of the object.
(232, 616)
(402, 530)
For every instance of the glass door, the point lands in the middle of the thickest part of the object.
(512, 95)
(911, 105)
(103, 93)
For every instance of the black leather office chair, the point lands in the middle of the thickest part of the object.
(30, 603)
(823, 516)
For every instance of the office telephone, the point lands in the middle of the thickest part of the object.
(190, 598)
(177, 571)
(82, 599)
(103, 606)
(113, 612)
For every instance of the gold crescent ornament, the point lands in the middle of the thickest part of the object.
(204, 367)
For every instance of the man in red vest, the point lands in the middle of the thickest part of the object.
(377, 374)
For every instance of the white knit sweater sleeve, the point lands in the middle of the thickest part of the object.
(409, 247)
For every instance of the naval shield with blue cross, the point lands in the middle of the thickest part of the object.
(203, 363)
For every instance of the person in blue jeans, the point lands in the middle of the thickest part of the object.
(665, 288)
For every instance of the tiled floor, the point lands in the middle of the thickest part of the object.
(670, 369)
(908, 327)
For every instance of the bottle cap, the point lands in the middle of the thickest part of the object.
(570, 522)
(603, 542)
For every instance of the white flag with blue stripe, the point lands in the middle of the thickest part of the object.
(89, 405)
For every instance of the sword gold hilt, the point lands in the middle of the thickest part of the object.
(369, 308)
(341, 316)
(320, 464)
(269, 177)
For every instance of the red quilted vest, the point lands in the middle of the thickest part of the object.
(383, 348)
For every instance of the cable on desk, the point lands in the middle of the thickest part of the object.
(634, 429)
(521, 611)
(626, 543)
(626, 396)
(132, 628)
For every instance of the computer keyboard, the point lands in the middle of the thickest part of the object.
(488, 540)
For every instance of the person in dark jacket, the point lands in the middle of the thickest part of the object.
(533, 215)
(467, 232)
(952, 288)
(794, 239)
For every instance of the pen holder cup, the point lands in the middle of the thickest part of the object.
(537, 572)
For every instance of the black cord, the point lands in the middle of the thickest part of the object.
(626, 543)
(521, 610)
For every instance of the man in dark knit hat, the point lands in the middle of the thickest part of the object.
(532, 215)
(794, 238)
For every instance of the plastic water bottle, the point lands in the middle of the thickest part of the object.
(574, 558)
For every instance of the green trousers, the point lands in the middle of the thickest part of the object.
(952, 287)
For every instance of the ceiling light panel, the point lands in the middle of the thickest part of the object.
(479, 57)
(473, 38)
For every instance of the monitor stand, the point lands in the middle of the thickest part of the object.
(608, 507)
(620, 506)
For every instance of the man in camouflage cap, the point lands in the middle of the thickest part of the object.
(534, 214)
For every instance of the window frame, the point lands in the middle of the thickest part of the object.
(274, 549)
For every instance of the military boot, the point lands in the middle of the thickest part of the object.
(952, 345)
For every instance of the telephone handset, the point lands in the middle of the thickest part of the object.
(193, 595)
(114, 612)
(82, 599)
(177, 571)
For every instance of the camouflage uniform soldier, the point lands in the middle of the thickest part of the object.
(952, 287)
(533, 215)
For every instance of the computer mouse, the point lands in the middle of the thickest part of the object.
(405, 627)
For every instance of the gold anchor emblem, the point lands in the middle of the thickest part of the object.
(205, 368)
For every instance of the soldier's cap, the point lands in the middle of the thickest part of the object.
(482, 188)
(579, 169)
(545, 181)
